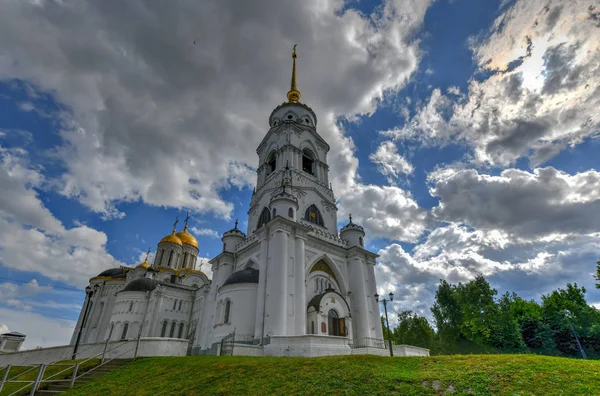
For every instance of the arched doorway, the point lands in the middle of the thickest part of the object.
(336, 325)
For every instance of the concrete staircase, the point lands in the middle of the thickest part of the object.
(63, 386)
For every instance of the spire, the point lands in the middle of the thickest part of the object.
(187, 217)
(350, 218)
(147, 254)
(293, 95)
(236, 224)
(175, 224)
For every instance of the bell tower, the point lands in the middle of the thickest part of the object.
(293, 175)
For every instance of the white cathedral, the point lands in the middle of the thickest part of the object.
(291, 285)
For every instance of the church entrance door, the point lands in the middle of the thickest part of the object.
(336, 325)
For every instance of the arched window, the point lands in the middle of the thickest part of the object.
(174, 305)
(227, 311)
(180, 334)
(124, 333)
(172, 332)
(312, 327)
(130, 306)
(360, 240)
(274, 212)
(170, 258)
(163, 331)
(271, 163)
(313, 215)
(291, 213)
(180, 301)
(265, 217)
(308, 160)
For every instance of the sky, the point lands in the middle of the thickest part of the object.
(464, 137)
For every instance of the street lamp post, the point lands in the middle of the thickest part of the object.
(568, 315)
(387, 322)
(89, 292)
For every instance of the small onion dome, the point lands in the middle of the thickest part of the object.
(145, 264)
(142, 284)
(234, 231)
(173, 238)
(249, 275)
(187, 238)
(352, 226)
(114, 273)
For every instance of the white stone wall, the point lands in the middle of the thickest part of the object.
(242, 313)
(148, 347)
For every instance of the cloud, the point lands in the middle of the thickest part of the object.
(457, 254)
(537, 93)
(41, 331)
(162, 102)
(205, 232)
(70, 255)
(389, 162)
(523, 204)
(384, 211)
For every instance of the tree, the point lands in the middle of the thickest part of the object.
(585, 319)
(479, 310)
(506, 333)
(447, 312)
(414, 330)
(535, 332)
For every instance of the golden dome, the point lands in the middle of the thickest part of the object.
(145, 264)
(187, 238)
(173, 238)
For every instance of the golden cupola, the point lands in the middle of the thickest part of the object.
(173, 238)
(187, 238)
(145, 264)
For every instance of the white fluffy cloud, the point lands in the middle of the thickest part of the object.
(457, 254)
(165, 101)
(542, 95)
(527, 205)
(39, 329)
(389, 162)
(32, 239)
(384, 211)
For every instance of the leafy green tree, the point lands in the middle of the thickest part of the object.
(479, 310)
(597, 275)
(414, 330)
(506, 332)
(535, 332)
(447, 312)
(571, 302)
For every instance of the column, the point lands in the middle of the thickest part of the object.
(300, 288)
(360, 316)
(260, 295)
(377, 332)
(276, 287)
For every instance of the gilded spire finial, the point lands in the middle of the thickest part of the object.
(187, 217)
(147, 254)
(293, 95)
(175, 224)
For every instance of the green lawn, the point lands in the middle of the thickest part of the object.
(50, 371)
(351, 375)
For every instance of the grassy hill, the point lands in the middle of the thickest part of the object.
(351, 375)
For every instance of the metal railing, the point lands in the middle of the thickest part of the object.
(39, 379)
(367, 342)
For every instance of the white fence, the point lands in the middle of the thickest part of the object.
(148, 347)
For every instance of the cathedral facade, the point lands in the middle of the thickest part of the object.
(291, 284)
